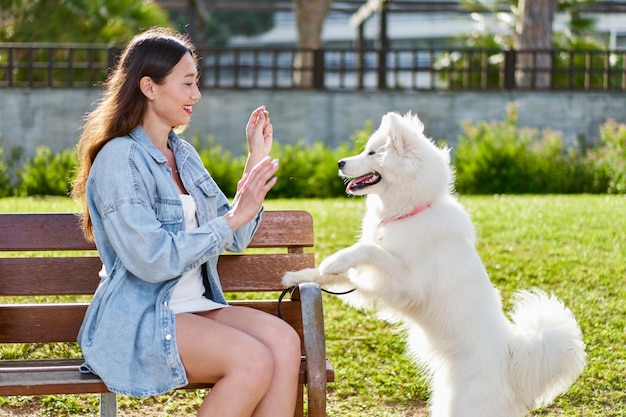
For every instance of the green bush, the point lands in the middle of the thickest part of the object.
(311, 171)
(308, 171)
(225, 168)
(501, 158)
(305, 171)
(495, 157)
(608, 160)
(47, 173)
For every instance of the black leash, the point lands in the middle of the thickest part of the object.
(291, 289)
(280, 299)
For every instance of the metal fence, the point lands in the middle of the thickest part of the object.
(335, 69)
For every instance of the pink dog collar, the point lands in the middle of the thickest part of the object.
(415, 211)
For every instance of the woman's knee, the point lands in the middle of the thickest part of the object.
(258, 362)
(288, 344)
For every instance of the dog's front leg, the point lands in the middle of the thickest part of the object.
(294, 278)
(332, 271)
(356, 256)
(370, 267)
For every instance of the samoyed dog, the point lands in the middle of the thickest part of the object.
(416, 264)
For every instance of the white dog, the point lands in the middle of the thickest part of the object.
(416, 263)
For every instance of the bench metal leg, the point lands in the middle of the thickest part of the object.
(315, 347)
(108, 404)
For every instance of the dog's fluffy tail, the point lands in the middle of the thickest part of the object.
(547, 350)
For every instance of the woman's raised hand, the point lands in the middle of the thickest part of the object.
(259, 135)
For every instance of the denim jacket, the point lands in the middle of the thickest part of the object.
(128, 336)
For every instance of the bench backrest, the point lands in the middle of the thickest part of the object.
(39, 258)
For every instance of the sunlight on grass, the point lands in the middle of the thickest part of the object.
(573, 246)
(38, 205)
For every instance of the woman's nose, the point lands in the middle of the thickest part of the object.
(196, 94)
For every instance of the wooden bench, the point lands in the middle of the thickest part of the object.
(49, 272)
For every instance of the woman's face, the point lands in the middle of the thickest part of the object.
(174, 99)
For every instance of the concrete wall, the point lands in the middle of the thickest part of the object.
(53, 117)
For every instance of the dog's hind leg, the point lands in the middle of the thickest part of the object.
(482, 397)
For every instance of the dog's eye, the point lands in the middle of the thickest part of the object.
(371, 153)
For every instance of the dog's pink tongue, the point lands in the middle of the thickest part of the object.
(359, 183)
(349, 186)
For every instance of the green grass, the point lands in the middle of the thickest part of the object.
(573, 246)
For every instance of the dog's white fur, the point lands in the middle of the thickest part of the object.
(424, 272)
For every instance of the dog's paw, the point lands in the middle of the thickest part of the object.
(293, 278)
(333, 265)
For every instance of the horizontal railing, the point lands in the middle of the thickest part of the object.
(343, 69)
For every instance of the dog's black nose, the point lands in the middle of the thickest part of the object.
(341, 164)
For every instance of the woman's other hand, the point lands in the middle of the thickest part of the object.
(251, 192)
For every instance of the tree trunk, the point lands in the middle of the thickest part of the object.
(533, 33)
(310, 16)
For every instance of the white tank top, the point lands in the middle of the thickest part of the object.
(187, 295)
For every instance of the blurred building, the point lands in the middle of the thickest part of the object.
(409, 23)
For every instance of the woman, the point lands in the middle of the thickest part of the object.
(158, 319)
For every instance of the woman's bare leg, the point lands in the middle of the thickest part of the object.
(284, 344)
(239, 365)
(253, 358)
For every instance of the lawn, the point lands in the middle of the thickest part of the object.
(573, 246)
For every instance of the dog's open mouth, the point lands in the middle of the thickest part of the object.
(363, 182)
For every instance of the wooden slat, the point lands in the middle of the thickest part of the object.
(69, 381)
(44, 323)
(284, 228)
(40, 323)
(49, 276)
(49, 231)
(61, 231)
(44, 377)
(260, 272)
(79, 275)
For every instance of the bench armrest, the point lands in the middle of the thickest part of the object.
(314, 346)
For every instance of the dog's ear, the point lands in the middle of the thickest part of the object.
(393, 122)
(402, 130)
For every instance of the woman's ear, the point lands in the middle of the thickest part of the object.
(145, 85)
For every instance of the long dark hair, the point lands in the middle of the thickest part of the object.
(153, 53)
